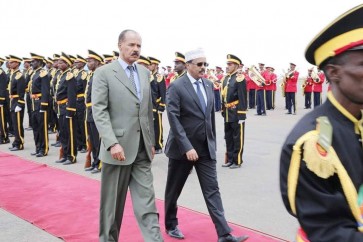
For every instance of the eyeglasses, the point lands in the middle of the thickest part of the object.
(200, 64)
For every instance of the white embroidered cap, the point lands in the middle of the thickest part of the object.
(194, 54)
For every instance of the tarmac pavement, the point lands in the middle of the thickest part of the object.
(250, 194)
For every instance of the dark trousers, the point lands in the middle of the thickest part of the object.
(178, 172)
(40, 131)
(290, 101)
(8, 119)
(3, 125)
(67, 137)
(158, 129)
(29, 108)
(261, 102)
(81, 132)
(307, 99)
(217, 100)
(234, 134)
(273, 99)
(115, 181)
(53, 120)
(252, 98)
(269, 99)
(94, 137)
(17, 118)
(317, 99)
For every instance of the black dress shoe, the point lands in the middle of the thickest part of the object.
(234, 166)
(231, 238)
(91, 168)
(40, 154)
(96, 170)
(175, 233)
(54, 143)
(6, 141)
(34, 153)
(288, 113)
(61, 160)
(58, 144)
(16, 149)
(83, 150)
(68, 162)
(228, 164)
(158, 151)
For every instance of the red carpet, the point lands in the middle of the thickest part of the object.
(66, 205)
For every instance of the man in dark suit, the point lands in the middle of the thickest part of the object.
(192, 142)
(122, 112)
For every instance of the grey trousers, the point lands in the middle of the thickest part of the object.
(115, 181)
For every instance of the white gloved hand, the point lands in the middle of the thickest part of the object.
(1, 105)
(18, 109)
(41, 111)
(241, 121)
(68, 117)
(160, 111)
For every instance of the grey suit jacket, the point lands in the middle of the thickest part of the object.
(118, 113)
(189, 126)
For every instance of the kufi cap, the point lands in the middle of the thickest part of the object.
(14, 58)
(345, 33)
(234, 59)
(94, 55)
(154, 60)
(56, 57)
(116, 54)
(262, 64)
(194, 54)
(66, 58)
(107, 57)
(218, 67)
(36, 56)
(80, 59)
(143, 59)
(179, 57)
(292, 64)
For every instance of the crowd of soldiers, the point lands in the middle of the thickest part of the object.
(56, 92)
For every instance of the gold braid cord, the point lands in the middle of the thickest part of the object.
(323, 164)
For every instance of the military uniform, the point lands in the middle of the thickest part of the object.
(3, 105)
(39, 91)
(290, 90)
(308, 88)
(321, 168)
(66, 96)
(158, 90)
(17, 91)
(81, 83)
(27, 74)
(234, 110)
(318, 89)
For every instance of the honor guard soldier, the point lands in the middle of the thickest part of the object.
(318, 88)
(53, 122)
(81, 81)
(269, 88)
(72, 58)
(261, 91)
(273, 78)
(39, 90)
(290, 88)
(308, 88)
(10, 130)
(144, 61)
(4, 139)
(158, 90)
(94, 61)
(66, 96)
(108, 58)
(17, 103)
(179, 67)
(234, 109)
(321, 169)
(27, 71)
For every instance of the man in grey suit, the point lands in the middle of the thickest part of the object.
(122, 111)
(192, 142)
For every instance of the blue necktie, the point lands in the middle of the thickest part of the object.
(200, 96)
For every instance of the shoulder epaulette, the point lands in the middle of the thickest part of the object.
(240, 78)
(84, 75)
(69, 76)
(43, 73)
(159, 77)
(18, 75)
(53, 72)
(75, 72)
